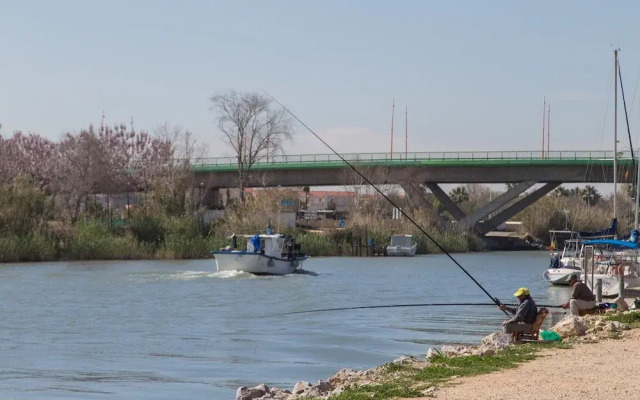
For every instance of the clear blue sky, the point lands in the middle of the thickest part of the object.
(473, 74)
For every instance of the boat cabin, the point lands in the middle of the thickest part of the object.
(402, 240)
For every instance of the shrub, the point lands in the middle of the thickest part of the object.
(147, 230)
(93, 240)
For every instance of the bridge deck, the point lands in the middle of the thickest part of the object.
(433, 159)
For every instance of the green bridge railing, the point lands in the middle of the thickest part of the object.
(565, 155)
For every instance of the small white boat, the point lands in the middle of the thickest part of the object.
(561, 266)
(560, 276)
(402, 245)
(265, 254)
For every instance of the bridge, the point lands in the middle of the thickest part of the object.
(420, 172)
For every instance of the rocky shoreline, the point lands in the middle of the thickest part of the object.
(591, 328)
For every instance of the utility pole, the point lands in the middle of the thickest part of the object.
(406, 132)
(548, 130)
(393, 109)
(544, 108)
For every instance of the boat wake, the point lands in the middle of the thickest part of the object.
(233, 274)
(172, 276)
(305, 272)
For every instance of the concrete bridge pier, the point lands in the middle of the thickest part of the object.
(476, 220)
(515, 208)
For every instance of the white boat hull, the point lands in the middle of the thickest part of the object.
(560, 276)
(255, 263)
(610, 283)
(402, 251)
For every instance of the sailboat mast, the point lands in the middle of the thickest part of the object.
(615, 132)
(635, 222)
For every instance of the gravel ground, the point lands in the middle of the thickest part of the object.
(604, 370)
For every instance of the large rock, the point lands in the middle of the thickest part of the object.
(571, 325)
(498, 340)
(304, 389)
(262, 392)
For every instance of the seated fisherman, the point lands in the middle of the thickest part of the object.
(582, 298)
(524, 316)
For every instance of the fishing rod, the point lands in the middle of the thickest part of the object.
(494, 299)
(407, 305)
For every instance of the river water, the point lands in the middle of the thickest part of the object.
(177, 329)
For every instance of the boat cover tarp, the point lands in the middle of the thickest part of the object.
(612, 243)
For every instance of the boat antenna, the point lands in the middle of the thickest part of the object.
(494, 299)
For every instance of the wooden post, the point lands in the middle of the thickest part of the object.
(621, 286)
(599, 290)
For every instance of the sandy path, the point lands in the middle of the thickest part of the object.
(608, 369)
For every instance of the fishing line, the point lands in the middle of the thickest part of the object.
(495, 300)
(408, 305)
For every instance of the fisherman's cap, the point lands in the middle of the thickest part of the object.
(523, 291)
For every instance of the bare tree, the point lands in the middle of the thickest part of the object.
(252, 127)
(178, 183)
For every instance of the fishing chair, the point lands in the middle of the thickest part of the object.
(535, 327)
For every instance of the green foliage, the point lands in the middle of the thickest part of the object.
(33, 247)
(147, 230)
(184, 239)
(24, 208)
(443, 368)
(317, 245)
(93, 240)
(459, 195)
(628, 318)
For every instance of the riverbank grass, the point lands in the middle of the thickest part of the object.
(632, 319)
(409, 380)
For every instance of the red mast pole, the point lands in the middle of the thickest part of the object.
(393, 109)
(548, 130)
(544, 108)
(406, 132)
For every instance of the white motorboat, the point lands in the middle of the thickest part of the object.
(402, 245)
(265, 254)
(560, 276)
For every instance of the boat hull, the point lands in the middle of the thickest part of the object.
(560, 276)
(610, 283)
(256, 263)
(402, 251)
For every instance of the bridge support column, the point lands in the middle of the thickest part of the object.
(417, 194)
(472, 219)
(446, 201)
(512, 210)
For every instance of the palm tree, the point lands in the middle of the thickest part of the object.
(459, 195)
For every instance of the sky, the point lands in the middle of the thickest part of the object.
(472, 75)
